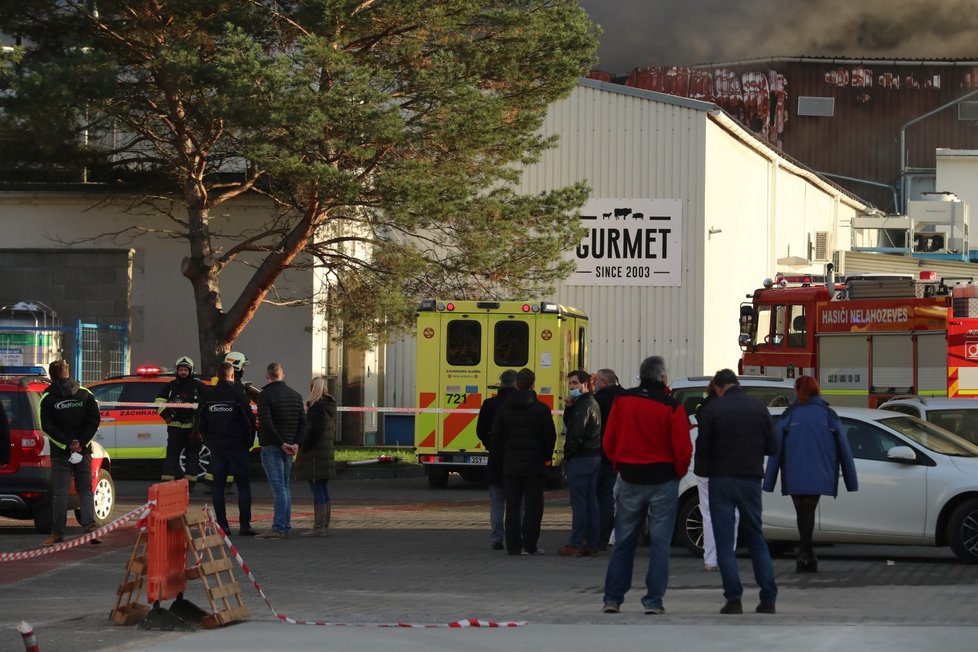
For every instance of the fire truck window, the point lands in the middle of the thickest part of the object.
(511, 344)
(762, 326)
(464, 343)
(778, 325)
(797, 326)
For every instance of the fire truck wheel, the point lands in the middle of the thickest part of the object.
(962, 531)
(438, 480)
(689, 525)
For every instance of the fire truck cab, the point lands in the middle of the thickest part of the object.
(868, 339)
(462, 348)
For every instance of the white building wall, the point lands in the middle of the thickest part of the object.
(164, 323)
(629, 143)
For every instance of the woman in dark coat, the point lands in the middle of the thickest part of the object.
(811, 450)
(316, 463)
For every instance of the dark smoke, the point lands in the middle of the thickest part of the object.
(665, 32)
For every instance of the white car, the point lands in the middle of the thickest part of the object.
(690, 391)
(918, 485)
(959, 415)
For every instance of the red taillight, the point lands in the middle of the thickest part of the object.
(148, 371)
(526, 307)
(428, 459)
(31, 448)
(450, 306)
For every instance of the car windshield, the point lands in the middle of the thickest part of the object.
(962, 422)
(692, 397)
(930, 436)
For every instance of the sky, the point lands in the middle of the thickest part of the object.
(640, 33)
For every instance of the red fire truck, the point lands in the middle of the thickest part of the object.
(867, 339)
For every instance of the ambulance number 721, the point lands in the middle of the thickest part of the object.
(454, 399)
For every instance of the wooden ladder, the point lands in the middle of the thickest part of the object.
(215, 570)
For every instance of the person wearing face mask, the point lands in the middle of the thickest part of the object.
(582, 461)
(70, 418)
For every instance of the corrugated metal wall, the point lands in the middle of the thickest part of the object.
(628, 143)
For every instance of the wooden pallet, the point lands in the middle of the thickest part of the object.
(128, 610)
(215, 570)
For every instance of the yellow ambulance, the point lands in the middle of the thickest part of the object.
(462, 348)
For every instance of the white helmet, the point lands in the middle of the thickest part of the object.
(237, 360)
(184, 361)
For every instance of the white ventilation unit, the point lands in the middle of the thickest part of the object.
(823, 246)
(821, 107)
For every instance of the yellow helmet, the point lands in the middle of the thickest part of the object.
(237, 360)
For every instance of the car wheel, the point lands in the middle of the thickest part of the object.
(104, 499)
(962, 531)
(203, 461)
(438, 480)
(43, 518)
(689, 525)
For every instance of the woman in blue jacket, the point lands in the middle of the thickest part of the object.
(811, 448)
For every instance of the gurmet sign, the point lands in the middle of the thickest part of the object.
(630, 242)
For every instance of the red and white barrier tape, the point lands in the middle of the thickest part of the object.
(140, 511)
(389, 410)
(458, 624)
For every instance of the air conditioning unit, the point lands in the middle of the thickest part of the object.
(940, 223)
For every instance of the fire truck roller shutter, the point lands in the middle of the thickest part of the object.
(844, 369)
(932, 364)
(893, 363)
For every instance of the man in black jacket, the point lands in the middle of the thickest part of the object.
(227, 423)
(70, 418)
(735, 433)
(582, 461)
(524, 431)
(494, 467)
(282, 429)
(606, 388)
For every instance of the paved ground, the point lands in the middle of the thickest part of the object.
(400, 552)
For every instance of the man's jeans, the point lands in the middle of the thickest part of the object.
(235, 463)
(582, 481)
(278, 470)
(497, 505)
(660, 501)
(62, 472)
(728, 493)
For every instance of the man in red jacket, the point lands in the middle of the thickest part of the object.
(647, 441)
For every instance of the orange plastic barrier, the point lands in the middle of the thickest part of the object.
(166, 572)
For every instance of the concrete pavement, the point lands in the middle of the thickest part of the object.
(400, 552)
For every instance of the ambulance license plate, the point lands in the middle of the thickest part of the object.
(477, 459)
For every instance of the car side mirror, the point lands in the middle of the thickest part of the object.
(901, 454)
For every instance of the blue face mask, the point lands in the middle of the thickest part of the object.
(574, 393)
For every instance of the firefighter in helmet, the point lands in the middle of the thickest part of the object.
(180, 433)
(238, 360)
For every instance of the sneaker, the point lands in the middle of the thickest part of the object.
(590, 551)
(535, 551)
(655, 611)
(732, 607)
(711, 569)
(271, 534)
(497, 546)
(570, 551)
(53, 539)
(247, 532)
(766, 608)
(611, 607)
(94, 541)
